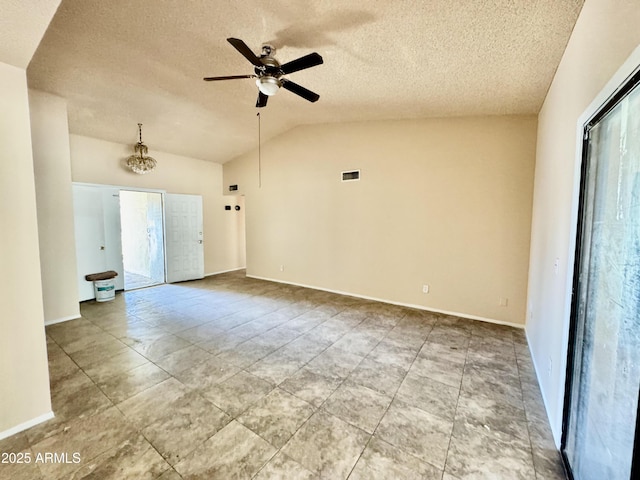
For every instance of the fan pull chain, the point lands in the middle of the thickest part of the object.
(259, 154)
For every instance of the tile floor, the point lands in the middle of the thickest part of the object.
(231, 377)
(135, 280)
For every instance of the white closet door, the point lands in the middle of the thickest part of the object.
(184, 247)
(97, 233)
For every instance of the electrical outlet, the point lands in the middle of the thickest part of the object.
(556, 265)
(503, 301)
(550, 367)
(282, 268)
(425, 288)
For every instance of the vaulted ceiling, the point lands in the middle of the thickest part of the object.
(120, 62)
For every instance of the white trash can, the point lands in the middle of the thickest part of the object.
(105, 289)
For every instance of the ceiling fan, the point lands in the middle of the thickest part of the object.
(269, 72)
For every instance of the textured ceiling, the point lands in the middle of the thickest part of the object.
(22, 25)
(120, 62)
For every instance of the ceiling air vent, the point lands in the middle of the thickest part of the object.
(351, 176)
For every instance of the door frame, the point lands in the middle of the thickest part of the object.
(164, 194)
(163, 232)
(626, 79)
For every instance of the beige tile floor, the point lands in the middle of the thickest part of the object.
(231, 377)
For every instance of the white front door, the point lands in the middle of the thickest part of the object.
(184, 239)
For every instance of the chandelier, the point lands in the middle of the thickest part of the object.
(140, 162)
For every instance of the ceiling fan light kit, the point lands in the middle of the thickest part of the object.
(268, 85)
(269, 73)
(141, 163)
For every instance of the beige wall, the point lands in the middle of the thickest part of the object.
(52, 166)
(605, 34)
(24, 375)
(443, 202)
(99, 161)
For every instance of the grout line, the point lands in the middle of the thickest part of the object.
(455, 413)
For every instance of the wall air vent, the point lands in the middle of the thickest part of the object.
(351, 176)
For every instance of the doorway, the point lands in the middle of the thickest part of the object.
(123, 230)
(141, 225)
(600, 434)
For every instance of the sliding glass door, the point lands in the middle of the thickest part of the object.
(604, 371)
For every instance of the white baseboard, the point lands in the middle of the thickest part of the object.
(60, 320)
(556, 432)
(401, 304)
(26, 425)
(224, 271)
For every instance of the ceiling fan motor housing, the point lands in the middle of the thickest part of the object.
(270, 67)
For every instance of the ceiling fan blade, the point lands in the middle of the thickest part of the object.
(299, 90)
(230, 77)
(245, 51)
(301, 63)
(262, 100)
